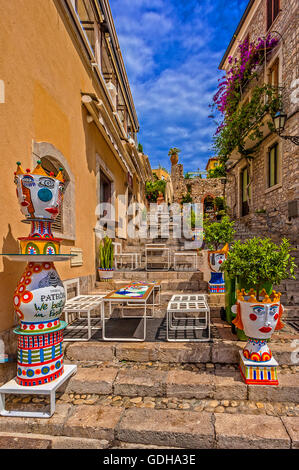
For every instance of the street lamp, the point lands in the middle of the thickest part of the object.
(280, 119)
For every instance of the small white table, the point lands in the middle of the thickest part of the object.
(83, 304)
(50, 388)
(162, 256)
(194, 305)
(129, 296)
(179, 256)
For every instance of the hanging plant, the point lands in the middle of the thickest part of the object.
(243, 69)
(247, 118)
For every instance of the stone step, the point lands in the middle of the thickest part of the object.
(153, 276)
(216, 351)
(291, 312)
(100, 426)
(43, 441)
(218, 384)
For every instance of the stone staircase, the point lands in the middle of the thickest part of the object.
(117, 403)
(155, 395)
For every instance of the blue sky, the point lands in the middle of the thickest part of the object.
(171, 50)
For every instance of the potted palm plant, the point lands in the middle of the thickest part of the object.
(106, 259)
(174, 155)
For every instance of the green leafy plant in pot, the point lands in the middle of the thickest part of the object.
(257, 265)
(106, 259)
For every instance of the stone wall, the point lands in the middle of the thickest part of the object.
(274, 221)
(199, 188)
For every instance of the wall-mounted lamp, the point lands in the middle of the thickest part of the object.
(280, 119)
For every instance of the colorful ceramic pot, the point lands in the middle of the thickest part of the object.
(105, 274)
(259, 319)
(39, 298)
(40, 295)
(40, 196)
(215, 259)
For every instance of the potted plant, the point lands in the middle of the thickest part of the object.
(174, 155)
(257, 264)
(106, 259)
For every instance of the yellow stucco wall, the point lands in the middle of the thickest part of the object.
(161, 173)
(212, 163)
(43, 76)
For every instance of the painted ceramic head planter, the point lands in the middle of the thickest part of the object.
(259, 320)
(216, 258)
(40, 195)
(40, 295)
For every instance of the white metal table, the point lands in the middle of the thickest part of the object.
(128, 295)
(83, 304)
(194, 305)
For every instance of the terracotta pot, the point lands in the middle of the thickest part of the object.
(174, 158)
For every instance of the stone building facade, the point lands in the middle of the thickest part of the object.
(272, 208)
(199, 188)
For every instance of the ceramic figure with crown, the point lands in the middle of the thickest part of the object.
(259, 262)
(217, 234)
(258, 319)
(40, 296)
(215, 259)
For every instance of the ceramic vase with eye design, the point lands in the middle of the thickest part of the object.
(215, 259)
(40, 295)
(259, 320)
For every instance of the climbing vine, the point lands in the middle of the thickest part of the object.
(240, 119)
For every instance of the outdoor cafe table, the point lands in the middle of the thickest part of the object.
(135, 294)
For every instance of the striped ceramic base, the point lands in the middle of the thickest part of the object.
(40, 359)
(259, 373)
(217, 288)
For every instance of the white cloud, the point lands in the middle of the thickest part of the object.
(172, 74)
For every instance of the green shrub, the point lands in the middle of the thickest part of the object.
(258, 260)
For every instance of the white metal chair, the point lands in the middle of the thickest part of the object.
(161, 256)
(75, 307)
(132, 258)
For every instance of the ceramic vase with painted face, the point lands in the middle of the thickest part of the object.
(215, 259)
(40, 295)
(259, 319)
